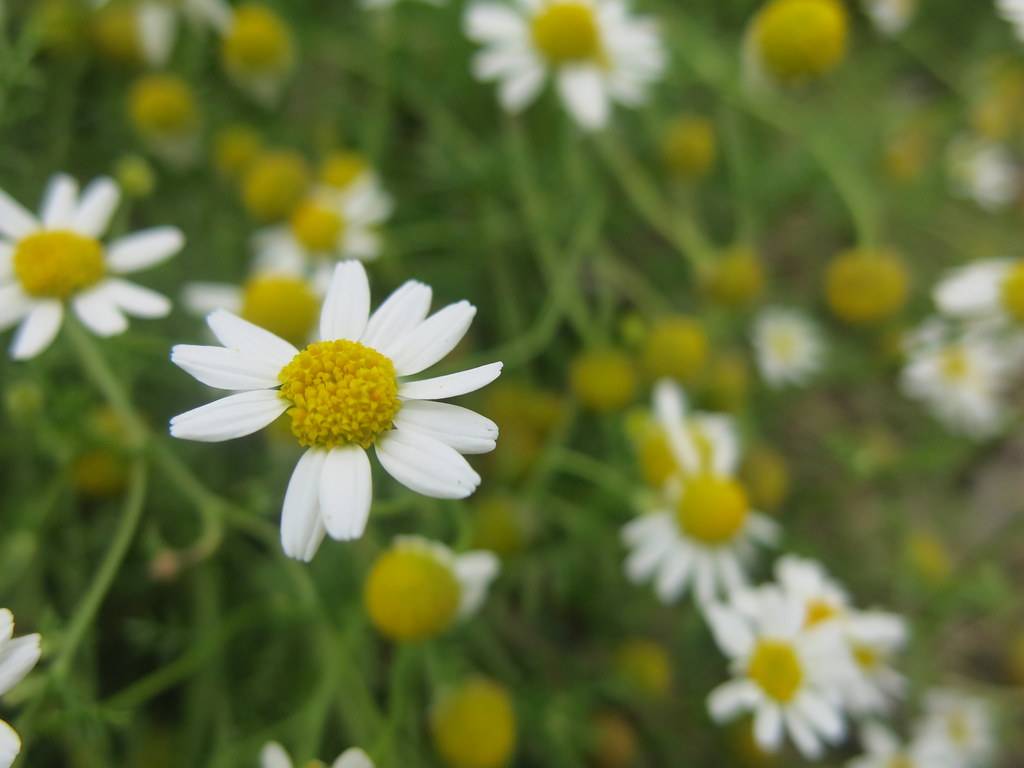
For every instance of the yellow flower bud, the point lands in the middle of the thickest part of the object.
(676, 347)
(797, 40)
(688, 147)
(474, 725)
(864, 286)
(603, 380)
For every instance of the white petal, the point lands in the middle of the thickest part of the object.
(144, 249)
(235, 333)
(670, 410)
(96, 207)
(6, 625)
(225, 368)
(475, 571)
(347, 305)
(731, 632)
(346, 492)
(17, 657)
(464, 430)
(302, 527)
(819, 713)
(583, 91)
(157, 24)
(361, 243)
(432, 339)
(768, 727)
(519, 90)
(803, 736)
(493, 22)
(402, 311)
(273, 755)
(98, 312)
(452, 385)
(730, 699)
(230, 417)
(14, 305)
(353, 758)
(136, 300)
(59, 202)
(10, 745)
(15, 221)
(672, 577)
(426, 465)
(203, 298)
(37, 330)
(6, 261)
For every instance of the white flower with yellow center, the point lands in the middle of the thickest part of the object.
(596, 52)
(983, 171)
(962, 724)
(961, 377)
(788, 677)
(788, 347)
(706, 531)
(274, 755)
(58, 259)
(258, 51)
(884, 750)
(1013, 12)
(890, 17)
(989, 289)
(17, 658)
(154, 24)
(345, 393)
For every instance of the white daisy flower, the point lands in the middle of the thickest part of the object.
(961, 724)
(884, 750)
(705, 532)
(156, 23)
(596, 52)
(1013, 12)
(58, 259)
(376, 5)
(989, 289)
(890, 17)
(344, 393)
(258, 52)
(274, 755)
(18, 655)
(961, 377)
(789, 678)
(788, 346)
(983, 171)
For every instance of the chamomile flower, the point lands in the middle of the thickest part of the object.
(788, 677)
(788, 347)
(18, 655)
(474, 725)
(703, 530)
(890, 17)
(345, 393)
(258, 51)
(1013, 12)
(962, 724)
(990, 289)
(983, 171)
(273, 183)
(962, 377)
(675, 347)
(274, 755)
(57, 259)
(419, 588)
(883, 750)
(790, 42)
(865, 286)
(596, 51)
(164, 114)
(148, 29)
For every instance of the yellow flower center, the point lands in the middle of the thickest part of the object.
(115, 33)
(57, 264)
(342, 393)
(474, 726)
(235, 148)
(899, 761)
(341, 169)
(1013, 292)
(864, 286)
(867, 658)
(410, 594)
(565, 31)
(776, 669)
(316, 226)
(258, 42)
(274, 184)
(737, 278)
(285, 306)
(676, 347)
(959, 729)
(656, 460)
(800, 39)
(955, 365)
(162, 105)
(712, 508)
(818, 612)
(603, 380)
(688, 147)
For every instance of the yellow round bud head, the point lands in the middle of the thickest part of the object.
(163, 106)
(644, 667)
(688, 147)
(864, 286)
(99, 473)
(62, 25)
(284, 305)
(566, 32)
(411, 594)
(929, 557)
(736, 277)
(235, 147)
(614, 740)
(474, 725)
(135, 176)
(499, 526)
(712, 508)
(55, 264)
(316, 225)
(797, 40)
(657, 464)
(115, 33)
(676, 347)
(728, 382)
(340, 169)
(258, 43)
(766, 477)
(603, 380)
(1012, 292)
(275, 182)
(1016, 659)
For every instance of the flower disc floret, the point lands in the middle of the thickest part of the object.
(775, 667)
(342, 393)
(411, 594)
(57, 264)
(566, 32)
(712, 509)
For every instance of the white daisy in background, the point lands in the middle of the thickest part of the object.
(890, 17)
(872, 638)
(379, 4)
(705, 533)
(961, 724)
(884, 750)
(595, 51)
(989, 289)
(156, 23)
(787, 346)
(58, 259)
(345, 393)
(789, 678)
(961, 376)
(274, 755)
(18, 655)
(983, 171)
(258, 52)
(1013, 12)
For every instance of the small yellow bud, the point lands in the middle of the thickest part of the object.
(676, 347)
(736, 278)
(929, 557)
(99, 474)
(864, 286)
(766, 476)
(727, 383)
(603, 380)
(135, 176)
(274, 184)
(474, 725)
(411, 594)
(235, 148)
(688, 147)
(797, 40)
(115, 33)
(643, 666)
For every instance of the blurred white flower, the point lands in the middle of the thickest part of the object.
(1013, 12)
(884, 750)
(596, 51)
(961, 724)
(156, 23)
(346, 393)
(788, 346)
(18, 655)
(988, 289)
(703, 530)
(274, 755)
(890, 17)
(983, 171)
(58, 259)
